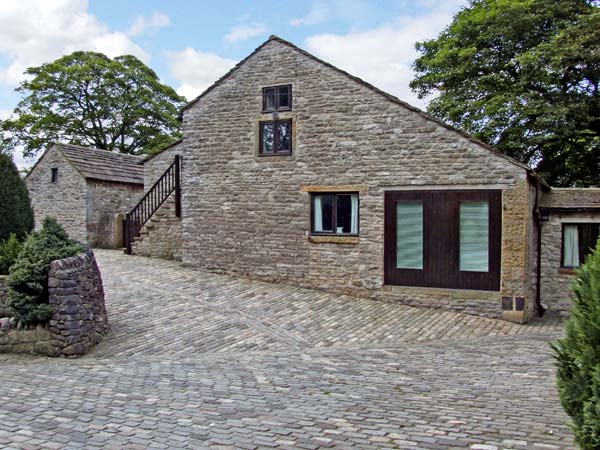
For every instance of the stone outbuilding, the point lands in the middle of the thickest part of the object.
(85, 189)
(570, 221)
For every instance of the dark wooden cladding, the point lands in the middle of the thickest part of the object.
(441, 240)
(168, 183)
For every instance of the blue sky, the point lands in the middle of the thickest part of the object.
(191, 43)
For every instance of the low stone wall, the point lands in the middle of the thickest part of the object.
(79, 320)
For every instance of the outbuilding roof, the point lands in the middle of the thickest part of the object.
(571, 199)
(104, 165)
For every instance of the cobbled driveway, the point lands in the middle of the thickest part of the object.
(197, 360)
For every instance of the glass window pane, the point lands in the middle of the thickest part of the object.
(284, 97)
(570, 246)
(343, 213)
(474, 237)
(322, 213)
(269, 99)
(409, 235)
(268, 137)
(284, 140)
(588, 237)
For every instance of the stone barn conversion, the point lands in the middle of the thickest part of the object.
(292, 170)
(84, 189)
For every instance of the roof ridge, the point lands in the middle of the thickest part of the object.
(99, 150)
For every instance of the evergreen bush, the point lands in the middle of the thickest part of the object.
(9, 250)
(28, 279)
(16, 215)
(578, 356)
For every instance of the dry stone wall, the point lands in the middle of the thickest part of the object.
(79, 320)
(246, 214)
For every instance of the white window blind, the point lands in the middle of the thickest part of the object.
(474, 237)
(571, 246)
(409, 235)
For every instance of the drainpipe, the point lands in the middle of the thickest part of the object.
(537, 217)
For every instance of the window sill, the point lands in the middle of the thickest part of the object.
(566, 270)
(333, 239)
(271, 155)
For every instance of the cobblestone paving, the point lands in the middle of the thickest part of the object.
(198, 360)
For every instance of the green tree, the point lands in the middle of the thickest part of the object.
(522, 75)
(28, 279)
(16, 215)
(578, 356)
(86, 98)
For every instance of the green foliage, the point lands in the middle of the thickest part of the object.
(28, 279)
(9, 250)
(16, 215)
(522, 75)
(86, 98)
(578, 356)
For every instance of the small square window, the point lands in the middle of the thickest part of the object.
(277, 98)
(54, 176)
(275, 137)
(335, 213)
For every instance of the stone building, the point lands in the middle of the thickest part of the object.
(295, 171)
(570, 226)
(84, 189)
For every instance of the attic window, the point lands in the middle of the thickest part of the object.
(277, 98)
(54, 177)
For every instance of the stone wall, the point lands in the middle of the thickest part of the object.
(555, 281)
(104, 201)
(79, 320)
(160, 237)
(248, 215)
(65, 199)
(157, 164)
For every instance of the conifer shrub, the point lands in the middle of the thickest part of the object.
(9, 250)
(578, 356)
(28, 278)
(16, 215)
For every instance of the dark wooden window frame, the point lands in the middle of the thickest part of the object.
(562, 242)
(333, 215)
(277, 106)
(441, 240)
(54, 175)
(275, 138)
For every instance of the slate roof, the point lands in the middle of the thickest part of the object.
(104, 165)
(571, 198)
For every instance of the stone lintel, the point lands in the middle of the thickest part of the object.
(342, 188)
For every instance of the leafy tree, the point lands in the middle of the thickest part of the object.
(28, 279)
(86, 98)
(16, 215)
(578, 356)
(522, 75)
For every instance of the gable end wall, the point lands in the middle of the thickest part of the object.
(247, 215)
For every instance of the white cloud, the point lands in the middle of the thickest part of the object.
(196, 70)
(383, 56)
(20, 161)
(150, 24)
(318, 13)
(33, 32)
(244, 32)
